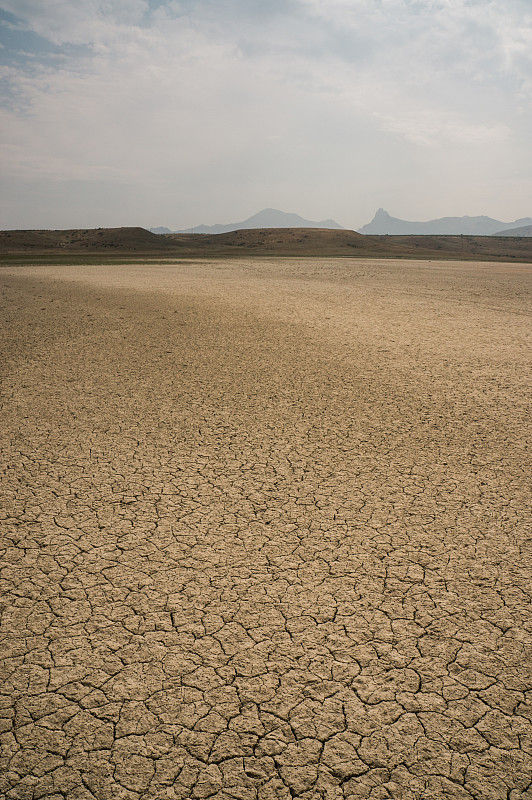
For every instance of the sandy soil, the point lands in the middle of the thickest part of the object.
(267, 531)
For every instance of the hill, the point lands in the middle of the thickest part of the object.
(384, 224)
(82, 239)
(267, 218)
(284, 241)
(305, 242)
(268, 241)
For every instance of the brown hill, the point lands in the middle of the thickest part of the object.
(81, 239)
(282, 242)
(319, 242)
(263, 241)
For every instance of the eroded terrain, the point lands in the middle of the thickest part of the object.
(266, 531)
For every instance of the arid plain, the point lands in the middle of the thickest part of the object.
(266, 530)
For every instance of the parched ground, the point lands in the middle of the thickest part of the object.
(266, 531)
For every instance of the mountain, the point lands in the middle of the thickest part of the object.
(159, 230)
(525, 230)
(383, 223)
(267, 218)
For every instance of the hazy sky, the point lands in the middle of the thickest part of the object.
(181, 112)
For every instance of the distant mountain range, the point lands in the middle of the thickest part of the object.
(267, 218)
(525, 230)
(383, 224)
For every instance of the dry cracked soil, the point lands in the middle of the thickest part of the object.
(266, 531)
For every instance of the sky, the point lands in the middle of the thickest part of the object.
(181, 112)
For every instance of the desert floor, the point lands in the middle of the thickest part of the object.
(266, 531)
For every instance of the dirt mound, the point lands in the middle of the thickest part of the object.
(285, 241)
(82, 239)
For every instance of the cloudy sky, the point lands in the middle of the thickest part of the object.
(181, 112)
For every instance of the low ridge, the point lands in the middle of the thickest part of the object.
(304, 242)
(80, 239)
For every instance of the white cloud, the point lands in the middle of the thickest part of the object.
(77, 21)
(432, 128)
(267, 98)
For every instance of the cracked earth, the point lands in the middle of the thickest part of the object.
(266, 531)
